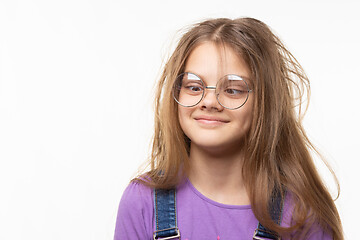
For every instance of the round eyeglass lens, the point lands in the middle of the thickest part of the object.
(188, 89)
(232, 91)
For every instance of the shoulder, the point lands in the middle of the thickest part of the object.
(137, 198)
(135, 213)
(136, 194)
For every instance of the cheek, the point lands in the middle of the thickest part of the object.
(184, 115)
(181, 116)
(245, 115)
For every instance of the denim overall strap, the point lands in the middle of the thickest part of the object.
(165, 214)
(276, 209)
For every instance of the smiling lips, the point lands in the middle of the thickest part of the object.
(208, 120)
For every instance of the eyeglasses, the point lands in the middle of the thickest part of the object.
(231, 91)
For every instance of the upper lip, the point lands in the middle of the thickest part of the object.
(211, 118)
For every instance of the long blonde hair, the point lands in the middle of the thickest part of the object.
(277, 148)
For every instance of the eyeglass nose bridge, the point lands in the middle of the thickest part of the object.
(216, 94)
(210, 87)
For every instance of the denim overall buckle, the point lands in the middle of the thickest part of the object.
(272, 236)
(170, 237)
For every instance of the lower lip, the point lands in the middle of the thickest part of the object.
(210, 122)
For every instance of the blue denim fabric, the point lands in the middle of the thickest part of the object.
(165, 213)
(276, 209)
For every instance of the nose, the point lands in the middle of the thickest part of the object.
(209, 100)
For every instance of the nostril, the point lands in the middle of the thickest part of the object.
(210, 101)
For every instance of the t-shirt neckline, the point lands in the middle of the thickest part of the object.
(221, 205)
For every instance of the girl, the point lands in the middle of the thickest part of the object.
(229, 143)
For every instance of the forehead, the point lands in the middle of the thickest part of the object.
(212, 61)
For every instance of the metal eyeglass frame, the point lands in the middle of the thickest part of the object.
(214, 88)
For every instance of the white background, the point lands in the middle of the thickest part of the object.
(76, 89)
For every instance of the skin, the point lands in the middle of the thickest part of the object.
(217, 134)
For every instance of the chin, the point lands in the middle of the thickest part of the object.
(217, 142)
(214, 145)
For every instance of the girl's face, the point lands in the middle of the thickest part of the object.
(208, 124)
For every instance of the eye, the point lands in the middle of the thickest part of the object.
(233, 88)
(234, 93)
(194, 88)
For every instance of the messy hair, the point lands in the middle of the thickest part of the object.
(278, 151)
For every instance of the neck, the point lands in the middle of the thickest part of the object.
(218, 176)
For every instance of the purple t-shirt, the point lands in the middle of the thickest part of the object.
(198, 216)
